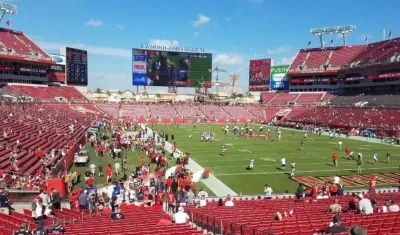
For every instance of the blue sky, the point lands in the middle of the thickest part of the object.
(235, 31)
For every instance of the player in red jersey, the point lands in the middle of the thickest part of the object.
(171, 202)
(159, 197)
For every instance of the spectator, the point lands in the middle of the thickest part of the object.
(109, 172)
(268, 191)
(393, 206)
(279, 217)
(57, 229)
(229, 202)
(181, 217)
(37, 209)
(335, 207)
(23, 230)
(4, 201)
(190, 196)
(83, 200)
(385, 207)
(220, 202)
(117, 215)
(364, 205)
(45, 198)
(357, 230)
(299, 192)
(40, 230)
(55, 199)
(336, 226)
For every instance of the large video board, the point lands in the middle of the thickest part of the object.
(259, 75)
(77, 66)
(169, 68)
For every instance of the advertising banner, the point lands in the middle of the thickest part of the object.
(139, 70)
(279, 78)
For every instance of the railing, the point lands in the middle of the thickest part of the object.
(217, 225)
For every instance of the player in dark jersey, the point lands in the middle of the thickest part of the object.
(162, 70)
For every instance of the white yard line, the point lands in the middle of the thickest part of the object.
(218, 187)
(280, 172)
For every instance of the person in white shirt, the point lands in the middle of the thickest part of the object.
(393, 206)
(340, 144)
(117, 167)
(364, 205)
(375, 156)
(336, 179)
(283, 164)
(181, 217)
(268, 191)
(92, 168)
(229, 202)
(202, 195)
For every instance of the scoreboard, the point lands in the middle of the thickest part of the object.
(76, 66)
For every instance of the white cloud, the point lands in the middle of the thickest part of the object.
(202, 19)
(228, 59)
(94, 23)
(285, 61)
(98, 50)
(279, 50)
(196, 34)
(164, 42)
(227, 19)
(120, 27)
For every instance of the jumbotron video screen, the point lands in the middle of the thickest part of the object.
(170, 68)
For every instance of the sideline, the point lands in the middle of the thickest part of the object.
(218, 187)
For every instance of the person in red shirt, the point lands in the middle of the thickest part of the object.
(168, 183)
(159, 197)
(347, 152)
(372, 184)
(89, 182)
(333, 189)
(39, 153)
(171, 202)
(109, 172)
(335, 159)
(314, 193)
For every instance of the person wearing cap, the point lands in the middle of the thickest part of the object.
(336, 226)
(23, 230)
(181, 217)
(57, 229)
(117, 215)
(364, 205)
(357, 230)
(37, 209)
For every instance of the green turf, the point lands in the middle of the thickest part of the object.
(133, 159)
(316, 160)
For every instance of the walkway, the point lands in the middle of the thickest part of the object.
(218, 187)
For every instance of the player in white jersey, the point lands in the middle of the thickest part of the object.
(202, 195)
(279, 136)
(283, 164)
(251, 165)
(223, 149)
(305, 135)
(375, 156)
(340, 144)
(360, 156)
(293, 166)
(261, 129)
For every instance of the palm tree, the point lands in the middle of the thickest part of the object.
(145, 94)
(249, 95)
(234, 95)
(240, 96)
(98, 91)
(158, 95)
(119, 92)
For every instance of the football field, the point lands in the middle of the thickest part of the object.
(314, 163)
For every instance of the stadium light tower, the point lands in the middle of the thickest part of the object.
(217, 71)
(7, 8)
(344, 30)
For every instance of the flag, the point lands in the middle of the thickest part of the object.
(390, 34)
(8, 22)
(332, 41)
(309, 43)
(366, 38)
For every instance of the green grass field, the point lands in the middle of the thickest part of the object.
(316, 160)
